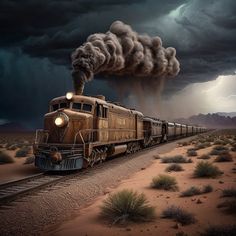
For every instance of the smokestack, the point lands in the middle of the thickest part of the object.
(121, 51)
(79, 79)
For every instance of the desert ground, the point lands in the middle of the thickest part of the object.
(16, 157)
(74, 207)
(203, 206)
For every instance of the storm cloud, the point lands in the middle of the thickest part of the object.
(38, 33)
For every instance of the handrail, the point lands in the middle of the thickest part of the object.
(38, 135)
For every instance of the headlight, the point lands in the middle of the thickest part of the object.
(69, 96)
(61, 120)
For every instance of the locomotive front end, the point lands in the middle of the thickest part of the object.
(61, 145)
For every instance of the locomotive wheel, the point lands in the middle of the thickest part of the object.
(92, 158)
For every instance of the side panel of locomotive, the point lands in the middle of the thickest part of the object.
(124, 124)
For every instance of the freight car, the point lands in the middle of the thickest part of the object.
(80, 131)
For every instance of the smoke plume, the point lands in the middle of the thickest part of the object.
(123, 52)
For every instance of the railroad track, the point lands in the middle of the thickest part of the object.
(12, 190)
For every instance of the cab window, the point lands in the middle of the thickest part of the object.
(87, 107)
(64, 105)
(77, 106)
(55, 107)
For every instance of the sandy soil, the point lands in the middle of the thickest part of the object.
(87, 221)
(56, 204)
(17, 169)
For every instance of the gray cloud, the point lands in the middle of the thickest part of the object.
(203, 33)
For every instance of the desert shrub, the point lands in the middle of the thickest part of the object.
(204, 157)
(219, 142)
(12, 147)
(191, 152)
(210, 139)
(127, 205)
(174, 167)
(228, 206)
(206, 169)
(23, 152)
(5, 158)
(224, 157)
(178, 214)
(202, 145)
(230, 192)
(207, 189)
(8, 144)
(233, 147)
(191, 192)
(175, 159)
(20, 145)
(220, 230)
(165, 182)
(201, 140)
(29, 160)
(217, 150)
(220, 148)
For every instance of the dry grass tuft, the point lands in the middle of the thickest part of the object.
(125, 206)
(192, 191)
(174, 167)
(23, 152)
(229, 192)
(228, 206)
(164, 182)
(178, 214)
(175, 159)
(5, 158)
(191, 152)
(206, 170)
(224, 157)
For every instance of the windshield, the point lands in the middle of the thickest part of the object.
(82, 107)
(75, 106)
(60, 105)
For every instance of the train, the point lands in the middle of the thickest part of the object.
(80, 131)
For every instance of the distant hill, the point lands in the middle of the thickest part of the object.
(230, 114)
(210, 120)
(12, 127)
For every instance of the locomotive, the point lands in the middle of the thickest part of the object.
(80, 131)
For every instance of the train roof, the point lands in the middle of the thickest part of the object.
(93, 100)
(152, 119)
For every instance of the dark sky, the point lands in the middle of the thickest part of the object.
(38, 37)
